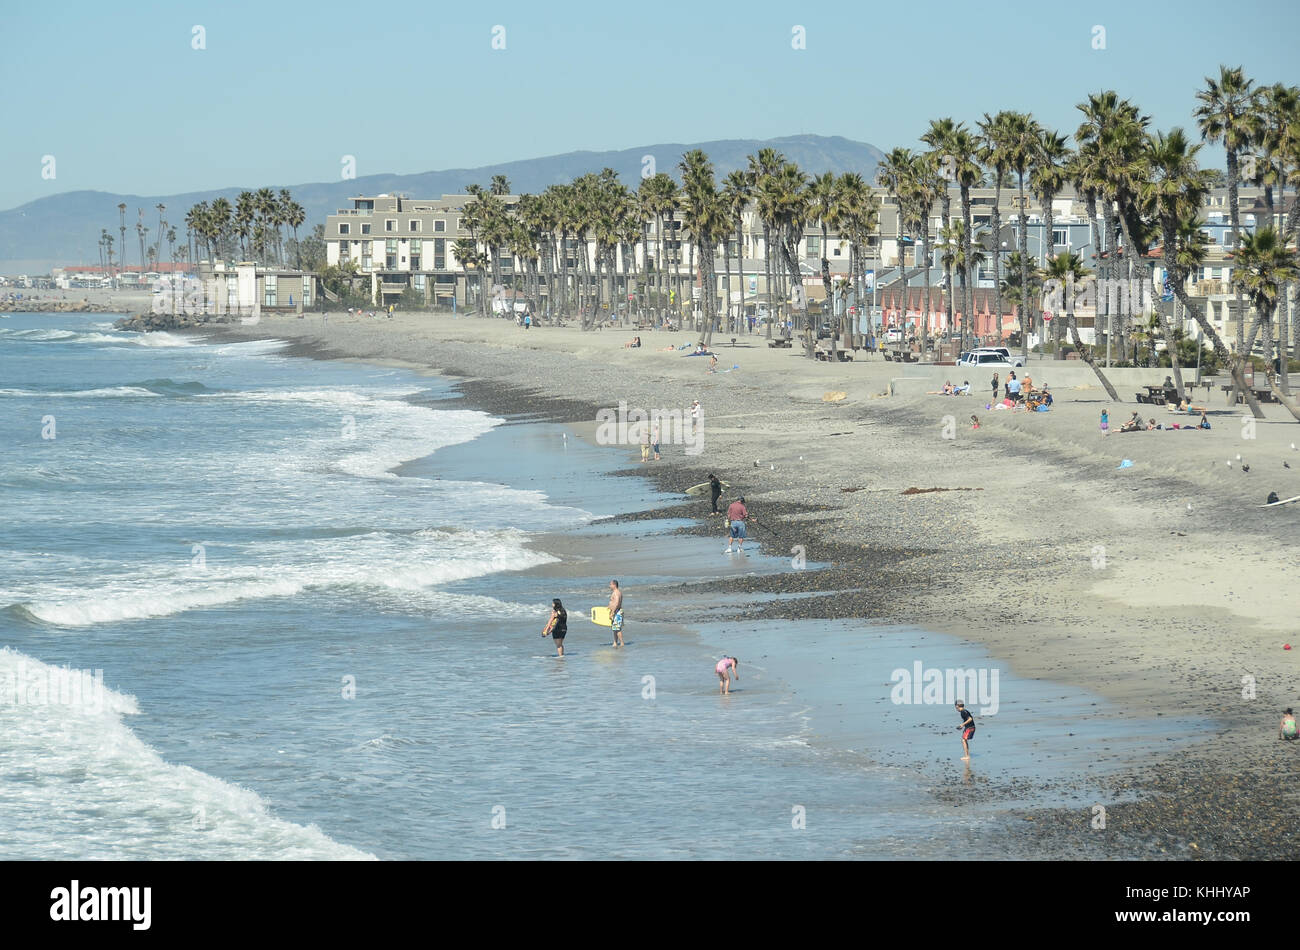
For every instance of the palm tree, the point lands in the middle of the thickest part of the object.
(140, 231)
(997, 141)
(737, 190)
(704, 217)
(1021, 142)
(824, 200)
(786, 197)
(245, 217)
(1227, 114)
(762, 167)
(966, 170)
(1174, 193)
(500, 185)
(220, 218)
(859, 218)
(1068, 271)
(1264, 265)
(1051, 159)
(121, 211)
(162, 226)
(294, 217)
(938, 137)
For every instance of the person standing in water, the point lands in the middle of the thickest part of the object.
(736, 515)
(967, 728)
(616, 612)
(727, 667)
(557, 627)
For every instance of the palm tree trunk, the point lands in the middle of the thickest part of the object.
(1233, 362)
(1026, 291)
(767, 277)
(997, 240)
(1172, 331)
(1085, 353)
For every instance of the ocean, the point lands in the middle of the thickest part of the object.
(255, 606)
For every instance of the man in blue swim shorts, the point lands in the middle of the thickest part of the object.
(616, 612)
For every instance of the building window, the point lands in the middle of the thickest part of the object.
(417, 245)
(1060, 237)
(269, 291)
(440, 225)
(440, 254)
(415, 226)
(306, 292)
(415, 262)
(390, 247)
(390, 224)
(419, 282)
(814, 247)
(344, 253)
(390, 262)
(345, 228)
(365, 229)
(366, 262)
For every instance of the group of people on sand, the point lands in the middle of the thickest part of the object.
(557, 628)
(949, 389)
(1017, 393)
(1135, 424)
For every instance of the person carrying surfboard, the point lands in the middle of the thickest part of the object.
(616, 612)
(557, 627)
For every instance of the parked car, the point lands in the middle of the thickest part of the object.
(894, 335)
(1003, 352)
(985, 359)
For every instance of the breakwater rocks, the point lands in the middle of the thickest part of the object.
(13, 305)
(147, 322)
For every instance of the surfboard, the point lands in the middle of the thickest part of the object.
(600, 616)
(703, 487)
(1282, 501)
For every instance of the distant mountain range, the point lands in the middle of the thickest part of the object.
(65, 228)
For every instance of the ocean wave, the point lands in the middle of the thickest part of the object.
(374, 562)
(59, 751)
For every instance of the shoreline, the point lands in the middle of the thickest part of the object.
(1147, 651)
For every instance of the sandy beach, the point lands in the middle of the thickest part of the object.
(1161, 585)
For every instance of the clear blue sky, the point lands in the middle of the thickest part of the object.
(283, 90)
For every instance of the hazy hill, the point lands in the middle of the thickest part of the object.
(64, 228)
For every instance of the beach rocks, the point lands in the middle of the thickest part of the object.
(147, 322)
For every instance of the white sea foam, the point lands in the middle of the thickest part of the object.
(63, 762)
(108, 392)
(373, 561)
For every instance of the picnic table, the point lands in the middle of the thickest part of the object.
(822, 351)
(1262, 394)
(779, 343)
(1157, 395)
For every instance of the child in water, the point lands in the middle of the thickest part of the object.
(727, 667)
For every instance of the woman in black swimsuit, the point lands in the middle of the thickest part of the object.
(557, 628)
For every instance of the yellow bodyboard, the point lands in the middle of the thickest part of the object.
(600, 615)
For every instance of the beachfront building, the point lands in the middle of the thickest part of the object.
(402, 244)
